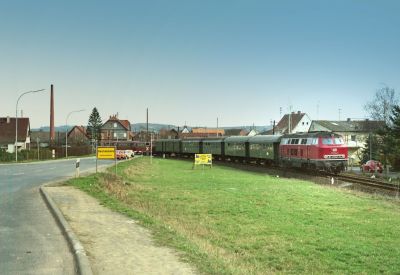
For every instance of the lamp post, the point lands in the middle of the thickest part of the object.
(66, 131)
(16, 121)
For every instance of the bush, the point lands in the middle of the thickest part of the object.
(25, 155)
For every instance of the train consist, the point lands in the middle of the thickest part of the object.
(322, 151)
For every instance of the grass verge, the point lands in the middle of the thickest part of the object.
(227, 221)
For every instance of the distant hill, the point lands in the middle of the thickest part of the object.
(57, 128)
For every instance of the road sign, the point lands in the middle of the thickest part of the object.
(105, 152)
(205, 159)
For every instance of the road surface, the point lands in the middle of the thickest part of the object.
(30, 240)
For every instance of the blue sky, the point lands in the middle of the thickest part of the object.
(195, 61)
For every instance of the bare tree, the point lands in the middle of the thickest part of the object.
(381, 107)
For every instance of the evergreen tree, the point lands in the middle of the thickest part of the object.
(392, 138)
(372, 149)
(94, 125)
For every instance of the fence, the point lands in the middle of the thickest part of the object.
(45, 153)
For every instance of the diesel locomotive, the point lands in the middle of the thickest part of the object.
(322, 151)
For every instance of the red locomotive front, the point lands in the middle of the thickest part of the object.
(319, 151)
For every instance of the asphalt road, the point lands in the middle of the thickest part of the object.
(30, 240)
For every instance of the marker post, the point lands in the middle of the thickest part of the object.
(77, 164)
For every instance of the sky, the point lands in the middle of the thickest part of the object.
(243, 62)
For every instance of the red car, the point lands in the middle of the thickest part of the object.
(372, 166)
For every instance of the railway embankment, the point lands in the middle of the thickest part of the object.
(228, 221)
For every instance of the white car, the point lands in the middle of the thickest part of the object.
(129, 153)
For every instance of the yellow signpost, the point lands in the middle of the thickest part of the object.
(202, 159)
(104, 152)
(107, 152)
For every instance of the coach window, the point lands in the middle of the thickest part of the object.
(304, 141)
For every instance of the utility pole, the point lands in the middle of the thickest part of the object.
(147, 124)
(290, 119)
(370, 145)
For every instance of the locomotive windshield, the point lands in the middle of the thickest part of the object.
(327, 141)
(339, 141)
(331, 141)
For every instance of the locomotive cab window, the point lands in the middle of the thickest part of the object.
(339, 141)
(327, 141)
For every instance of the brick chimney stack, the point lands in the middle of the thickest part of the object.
(52, 131)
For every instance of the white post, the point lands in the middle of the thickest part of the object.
(77, 167)
(38, 155)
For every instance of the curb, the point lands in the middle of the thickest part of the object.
(81, 260)
(80, 257)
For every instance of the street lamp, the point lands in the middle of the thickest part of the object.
(16, 121)
(66, 131)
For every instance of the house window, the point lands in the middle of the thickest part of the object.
(115, 134)
(303, 123)
(353, 138)
(115, 125)
(124, 135)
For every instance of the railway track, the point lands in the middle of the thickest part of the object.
(362, 181)
(375, 183)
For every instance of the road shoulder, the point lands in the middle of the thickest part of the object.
(115, 244)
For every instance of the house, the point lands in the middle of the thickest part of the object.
(42, 138)
(115, 129)
(291, 123)
(208, 131)
(168, 134)
(78, 136)
(7, 133)
(185, 130)
(145, 136)
(354, 133)
(252, 133)
(236, 132)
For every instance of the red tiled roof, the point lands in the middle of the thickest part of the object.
(126, 124)
(82, 129)
(7, 130)
(208, 131)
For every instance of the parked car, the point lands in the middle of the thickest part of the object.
(121, 154)
(372, 166)
(129, 153)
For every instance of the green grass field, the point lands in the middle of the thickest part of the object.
(227, 221)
